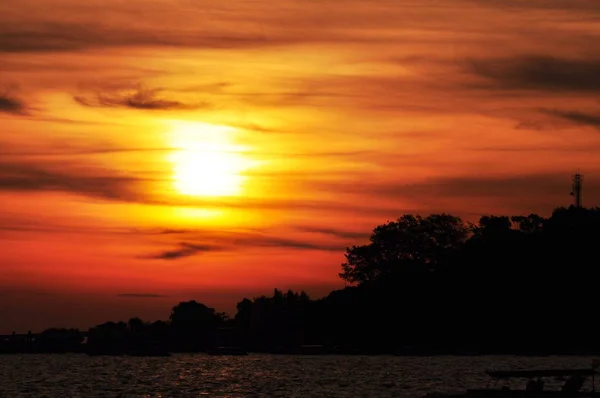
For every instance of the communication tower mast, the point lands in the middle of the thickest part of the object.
(577, 186)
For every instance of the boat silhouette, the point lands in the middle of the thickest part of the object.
(574, 384)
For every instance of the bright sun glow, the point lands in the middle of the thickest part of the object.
(207, 162)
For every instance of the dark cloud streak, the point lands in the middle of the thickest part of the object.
(235, 242)
(18, 176)
(67, 37)
(335, 232)
(58, 37)
(143, 99)
(184, 250)
(577, 117)
(11, 105)
(141, 295)
(270, 241)
(549, 185)
(544, 73)
(555, 5)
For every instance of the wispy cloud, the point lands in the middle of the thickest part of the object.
(141, 295)
(535, 125)
(87, 179)
(139, 98)
(578, 117)
(21, 176)
(12, 105)
(64, 150)
(231, 242)
(557, 5)
(335, 232)
(184, 250)
(64, 36)
(541, 191)
(540, 72)
(271, 241)
(549, 186)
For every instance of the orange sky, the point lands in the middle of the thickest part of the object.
(156, 151)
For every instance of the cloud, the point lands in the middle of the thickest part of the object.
(141, 295)
(538, 148)
(238, 241)
(64, 149)
(539, 184)
(541, 191)
(588, 119)
(335, 232)
(65, 25)
(107, 184)
(270, 241)
(184, 250)
(140, 98)
(364, 197)
(534, 125)
(558, 5)
(13, 223)
(12, 105)
(528, 188)
(64, 36)
(545, 73)
(102, 184)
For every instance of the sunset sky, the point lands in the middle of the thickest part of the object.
(154, 151)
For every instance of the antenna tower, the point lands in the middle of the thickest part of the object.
(577, 186)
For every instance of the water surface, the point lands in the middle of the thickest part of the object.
(252, 376)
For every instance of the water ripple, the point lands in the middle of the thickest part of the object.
(251, 376)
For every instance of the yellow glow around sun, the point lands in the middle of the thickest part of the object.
(207, 162)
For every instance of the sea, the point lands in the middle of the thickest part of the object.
(255, 375)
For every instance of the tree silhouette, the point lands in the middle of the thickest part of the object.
(135, 326)
(194, 326)
(530, 224)
(410, 244)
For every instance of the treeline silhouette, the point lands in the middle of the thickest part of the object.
(422, 285)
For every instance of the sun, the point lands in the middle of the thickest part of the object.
(206, 161)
